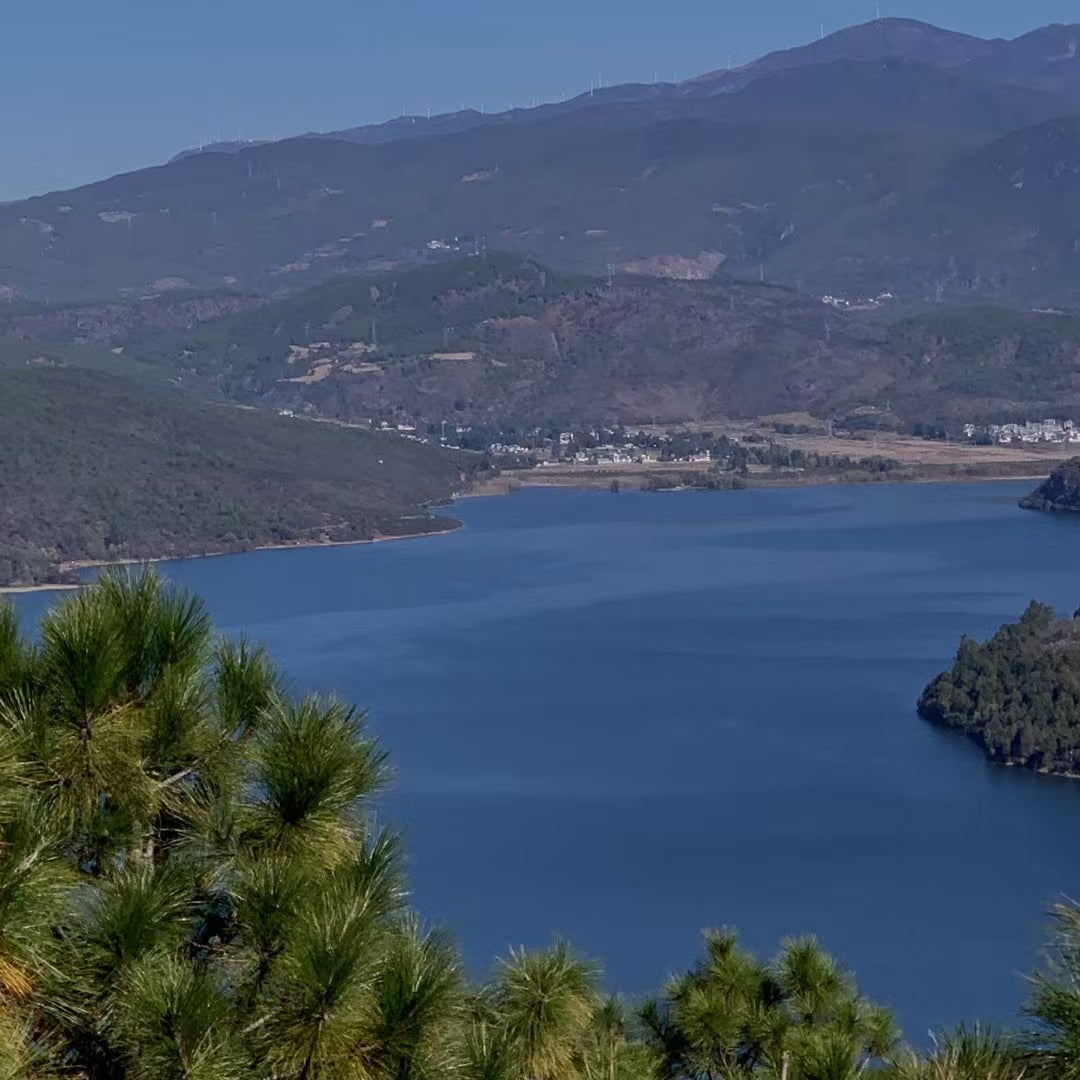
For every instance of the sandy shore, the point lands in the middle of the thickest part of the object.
(13, 590)
(636, 477)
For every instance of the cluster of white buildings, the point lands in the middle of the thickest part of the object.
(1032, 431)
(509, 448)
(861, 303)
(615, 455)
(632, 455)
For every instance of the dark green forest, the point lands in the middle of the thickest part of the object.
(97, 467)
(193, 886)
(1018, 694)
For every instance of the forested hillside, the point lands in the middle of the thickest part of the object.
(506, 340)
(95, 467)
(500, 339)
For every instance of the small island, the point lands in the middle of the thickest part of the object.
(1018, 694)
(1059, 493)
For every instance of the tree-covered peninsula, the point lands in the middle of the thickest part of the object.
(192, 887)
(1017, 694)
(1059, 493)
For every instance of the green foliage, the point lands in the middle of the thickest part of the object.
(499, 343)
(546, 1001)
(190, 885)
(1018, 694)
(965, 1054)
(191, 888)
(93, 467)
(734, 1016)
(1054, 1007)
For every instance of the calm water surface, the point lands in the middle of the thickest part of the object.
(624, 718)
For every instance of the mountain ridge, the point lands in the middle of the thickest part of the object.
(847, 176)
(888, 38)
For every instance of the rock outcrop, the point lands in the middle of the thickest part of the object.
(1059, 493)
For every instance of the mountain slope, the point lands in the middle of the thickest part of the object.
(747, 175)
(870, 160)
(1001, 222)
(883, 39)
(92, 467)
(504, 342)
(1046, 59)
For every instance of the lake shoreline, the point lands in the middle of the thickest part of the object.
(19, 590)
(76, 565)
(594, 478)
(571, 477)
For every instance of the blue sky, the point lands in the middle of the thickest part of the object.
(88, 89)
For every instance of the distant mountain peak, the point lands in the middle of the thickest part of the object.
(881, 39)
(1034, 59)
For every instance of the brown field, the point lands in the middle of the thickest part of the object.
(904, 448)
(908, 449)
(922, 460)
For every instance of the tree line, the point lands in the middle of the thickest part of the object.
(192, 887)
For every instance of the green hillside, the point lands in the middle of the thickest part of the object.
(94, 467)
(503, 340)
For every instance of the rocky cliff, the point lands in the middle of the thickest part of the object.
(1059, 493)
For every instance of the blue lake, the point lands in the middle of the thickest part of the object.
(623, 718)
